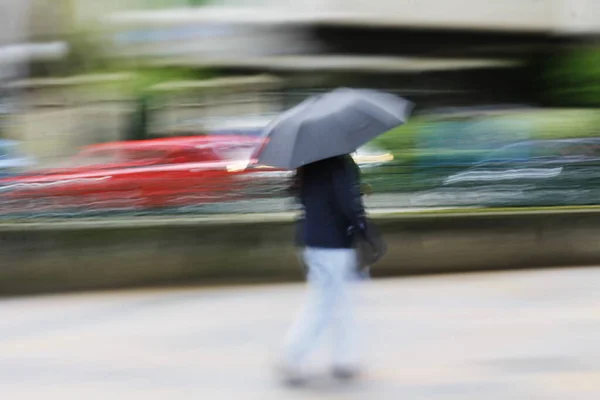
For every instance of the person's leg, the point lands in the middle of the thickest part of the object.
(324, 283)
(344, 327)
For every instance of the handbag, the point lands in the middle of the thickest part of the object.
(370, 246)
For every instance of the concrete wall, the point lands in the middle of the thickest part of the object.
(561, 16)
(14, 29)
(565, 16)
(70, 256)
(184, 103)
(51, 134)
(56, 117)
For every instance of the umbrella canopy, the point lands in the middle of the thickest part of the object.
(330, 125)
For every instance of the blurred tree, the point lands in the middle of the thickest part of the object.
(90, 52)
(574, 78)
(137, 128)
(144, 79)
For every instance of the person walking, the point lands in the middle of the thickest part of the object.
(316, 138)
(329, 192)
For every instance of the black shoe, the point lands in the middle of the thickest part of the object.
(345, 373)
(290, 376)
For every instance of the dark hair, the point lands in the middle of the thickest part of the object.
(296, 180)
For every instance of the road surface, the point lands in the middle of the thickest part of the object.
(515, 335)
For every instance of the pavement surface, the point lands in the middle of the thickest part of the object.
(515, 335)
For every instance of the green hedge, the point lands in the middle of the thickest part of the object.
(405, 143)
(574, 78)
(418, 167)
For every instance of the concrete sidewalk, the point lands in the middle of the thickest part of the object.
(517, 335)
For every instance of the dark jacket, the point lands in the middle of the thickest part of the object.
(329, 191)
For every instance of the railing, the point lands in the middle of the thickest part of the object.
(394, 185)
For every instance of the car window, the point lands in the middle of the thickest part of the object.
(204, 153)
(593, 150)
(548, 150)
(544, 150)
(191, 155)
(97, 157)
(234, 151)
(515, 152)
(7, 151)
(138, 155)
(580, 150)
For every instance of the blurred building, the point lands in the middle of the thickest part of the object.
(440, 53)
(188, 107)
(30, 30)
(56, 116)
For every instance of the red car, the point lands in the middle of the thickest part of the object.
(170, 172)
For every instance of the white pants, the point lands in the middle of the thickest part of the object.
(331, 277)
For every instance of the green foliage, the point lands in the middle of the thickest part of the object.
(402, 139)
(574, 78)
(147, 77)
(541, 124)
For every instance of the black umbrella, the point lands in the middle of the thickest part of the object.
(336, 123)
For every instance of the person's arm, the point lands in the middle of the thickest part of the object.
(348, 195)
